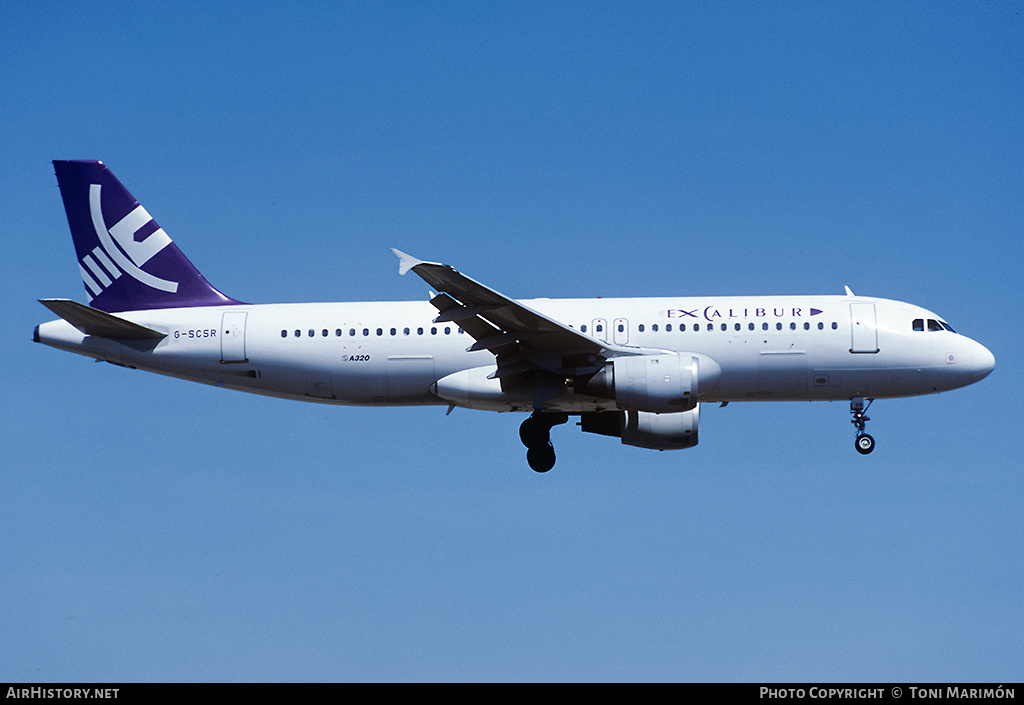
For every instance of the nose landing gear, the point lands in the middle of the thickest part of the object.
(864, 443)
(535, 433)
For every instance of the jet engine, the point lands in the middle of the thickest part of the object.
(655, 383)
(646, 430)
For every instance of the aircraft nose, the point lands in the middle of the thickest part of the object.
(982, 362)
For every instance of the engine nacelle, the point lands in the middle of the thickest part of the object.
(655, 383)
(646, 430)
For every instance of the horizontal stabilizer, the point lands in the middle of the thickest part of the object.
(92, 321)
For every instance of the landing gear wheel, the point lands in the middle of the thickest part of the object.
(865, 443)
(535, 433)
(541, 459)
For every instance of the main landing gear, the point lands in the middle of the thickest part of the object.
(864, 443)
(535, 433)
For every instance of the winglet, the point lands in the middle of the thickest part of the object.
(405, 262)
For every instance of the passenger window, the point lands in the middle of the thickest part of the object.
(764, 326)
(821, 326)
(284, 334)
(807, 326)
(352, 332)
(433, 330)
(668, 327)
(380, 331)
(337, 333)
(682, 327)
(419, 331)
(298, 333)
(655, 328)
(738, 326)
(447, 330)
(778, 326)
(918, 324)
(393, 331)
(640, 328)
(711, 326)
(324, 332)
(792, 326)
(405, 331)
(583, 328)
(310, 332)
(725, 327)
(835, 326)
(366, 331)
(750, 327)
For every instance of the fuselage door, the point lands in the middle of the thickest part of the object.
(232, 337)
(620, 331)
(865, 331)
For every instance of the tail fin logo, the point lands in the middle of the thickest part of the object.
(123, 248)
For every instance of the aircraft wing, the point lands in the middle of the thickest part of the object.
(523, 340)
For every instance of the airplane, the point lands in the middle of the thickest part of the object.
(637, 369)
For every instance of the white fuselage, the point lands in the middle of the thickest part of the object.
(781, 348)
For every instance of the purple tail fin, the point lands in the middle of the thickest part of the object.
(128, 262)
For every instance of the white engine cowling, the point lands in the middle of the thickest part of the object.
(646, 430)
(659, 383)
(656, 383)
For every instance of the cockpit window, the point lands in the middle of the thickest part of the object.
(933, 325)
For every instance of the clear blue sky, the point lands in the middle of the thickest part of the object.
(155, 530)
